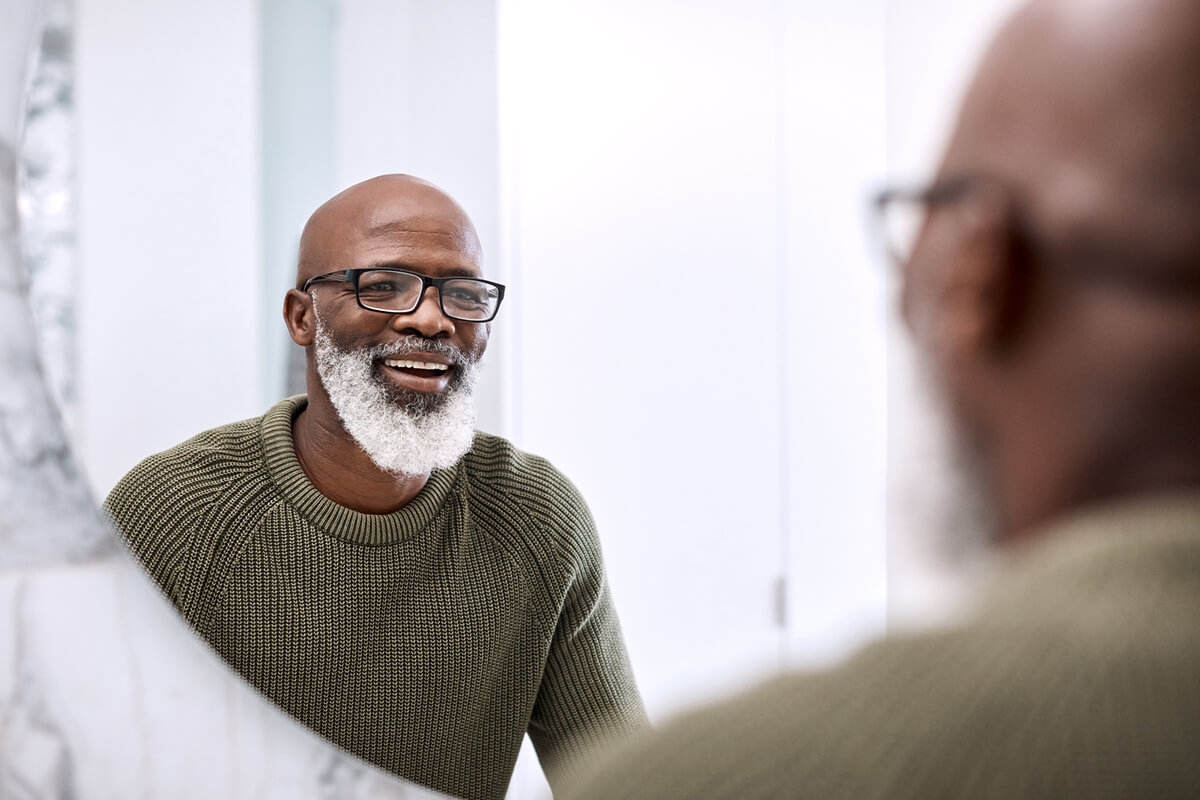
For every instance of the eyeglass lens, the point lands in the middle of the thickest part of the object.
(462, 298)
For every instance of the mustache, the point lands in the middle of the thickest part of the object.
(408, 345)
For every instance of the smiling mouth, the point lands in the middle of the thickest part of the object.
(423, 369)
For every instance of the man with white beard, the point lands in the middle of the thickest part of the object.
(420, 593)
(1052, 288)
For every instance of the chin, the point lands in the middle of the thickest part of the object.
(415, 402)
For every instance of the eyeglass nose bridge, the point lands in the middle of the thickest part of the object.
(426, 282)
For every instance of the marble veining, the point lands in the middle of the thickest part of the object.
(46, 203)
(48, 517)
(37, 759)
(104, 690)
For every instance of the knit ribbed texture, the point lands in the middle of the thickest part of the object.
(426, 641)
(1079, 677)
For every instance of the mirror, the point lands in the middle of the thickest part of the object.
(696, 331)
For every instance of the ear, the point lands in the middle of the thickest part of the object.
(986, 280)
(299, 317)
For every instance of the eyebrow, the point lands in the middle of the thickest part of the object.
(451, 272)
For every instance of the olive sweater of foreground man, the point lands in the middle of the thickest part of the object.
(426, 641)
(1078, 677)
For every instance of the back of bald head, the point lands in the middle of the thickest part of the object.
(1090, 110)
(1068, 332)
(377, 205)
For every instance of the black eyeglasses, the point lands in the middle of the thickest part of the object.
(900, 213)
(400, 291)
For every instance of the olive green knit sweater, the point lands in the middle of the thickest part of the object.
(428, 640)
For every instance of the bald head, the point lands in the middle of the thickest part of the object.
(1090, 111)
(380, 209)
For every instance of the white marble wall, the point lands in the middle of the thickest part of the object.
(104, 692)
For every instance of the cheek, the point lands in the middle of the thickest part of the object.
(476, 341)
(353, 328)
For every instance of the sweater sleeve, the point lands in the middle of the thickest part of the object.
(587, 697)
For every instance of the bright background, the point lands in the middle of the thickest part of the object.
(697, 329)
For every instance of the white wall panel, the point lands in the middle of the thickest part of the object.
(642, 200)
(835, 138)
(169, 225)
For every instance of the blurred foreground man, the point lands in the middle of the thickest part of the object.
(419, 593)
(1054, 293)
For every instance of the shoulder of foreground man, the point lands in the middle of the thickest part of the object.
(507, 479)
(982, 711)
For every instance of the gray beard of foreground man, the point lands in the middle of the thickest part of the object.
(1053, 292)
(412, 434)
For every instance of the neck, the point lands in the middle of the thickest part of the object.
(341, 470)
(1040, 483)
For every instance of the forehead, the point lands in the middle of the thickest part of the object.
(429, 244)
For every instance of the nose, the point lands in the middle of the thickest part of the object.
(427, 320)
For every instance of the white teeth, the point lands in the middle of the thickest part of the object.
(400, 364)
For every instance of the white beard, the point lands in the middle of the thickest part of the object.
(943, 522)
(405, 433)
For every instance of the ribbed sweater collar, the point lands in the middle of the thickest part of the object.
(279, 453)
